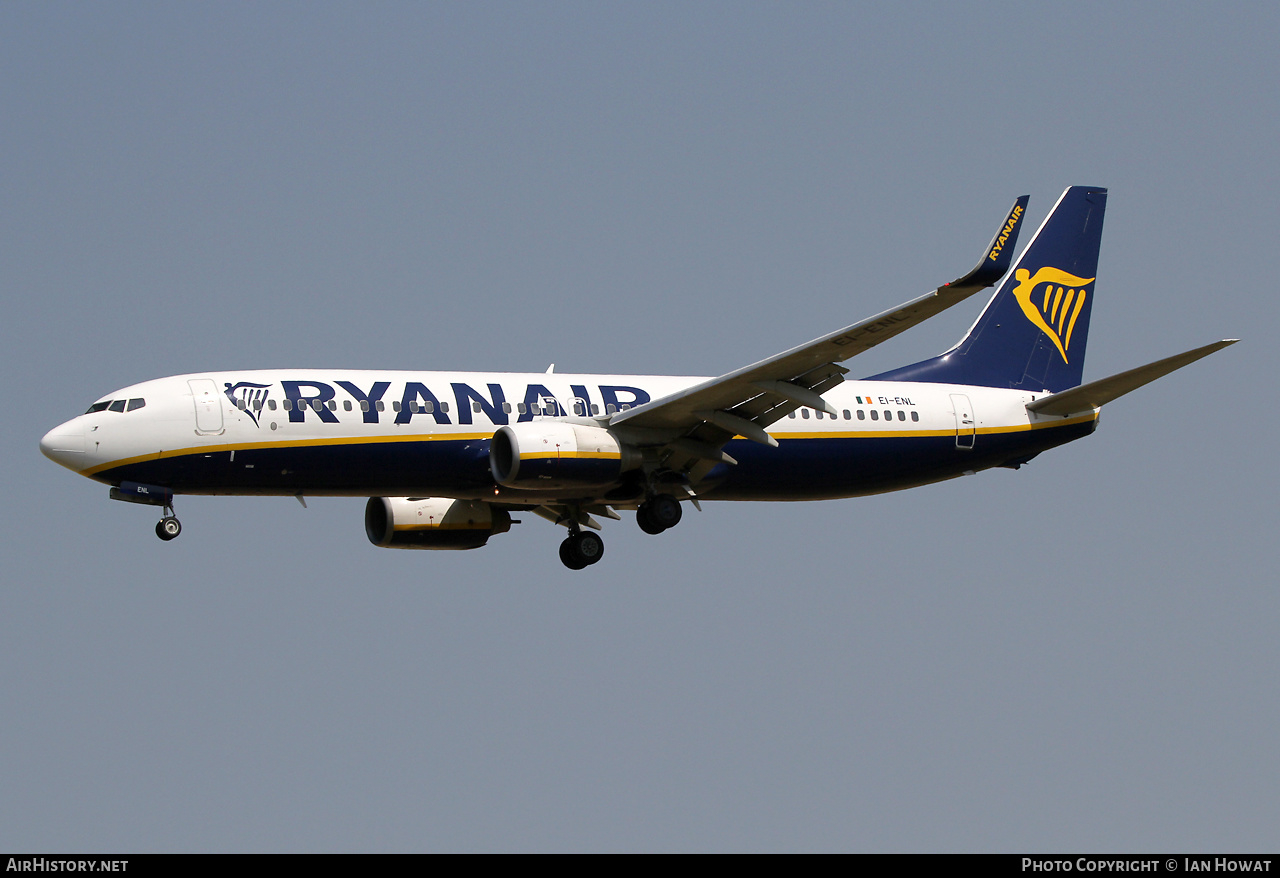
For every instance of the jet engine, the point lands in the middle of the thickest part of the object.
(554, 455)
(432, 522)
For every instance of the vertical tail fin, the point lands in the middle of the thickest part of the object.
(1033, 332)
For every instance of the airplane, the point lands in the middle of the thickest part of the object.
(445, 458)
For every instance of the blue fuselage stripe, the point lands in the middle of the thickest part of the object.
(799, 469)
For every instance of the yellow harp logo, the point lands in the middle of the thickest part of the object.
(1052, 300)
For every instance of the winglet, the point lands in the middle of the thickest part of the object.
(998, 256)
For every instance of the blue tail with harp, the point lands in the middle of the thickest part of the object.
(1033, 332)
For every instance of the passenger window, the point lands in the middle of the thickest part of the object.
(333, 405)
(578, 408)
(413, 406)
(382, 406)
(846, 414)
(626, 406)
(444, 406)
(395, 406)
(791, 414)
(506, 408)
(136, 404)
(240, 404)
(346, 405)
(364, 405)
(521, 408)
(609, 409)
(888, 415)
(862, 416)
(288, 405)
(475, 407)
(595, 409)
(902, 416)
(804, 413)
(316, 405)
(257, 404)
(271, 404)
(875, 415)
(428, 406)
(915, 416)
(98, 407)
(117, 405)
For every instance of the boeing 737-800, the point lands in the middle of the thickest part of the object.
(446, 457)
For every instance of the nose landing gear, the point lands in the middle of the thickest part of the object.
(168, 527)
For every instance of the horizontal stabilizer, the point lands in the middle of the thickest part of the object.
(1098, 393)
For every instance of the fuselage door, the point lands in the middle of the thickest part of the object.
(208, 405)
(966, 424)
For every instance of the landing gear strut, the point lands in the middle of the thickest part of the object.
(581, 549)
(659, 512)
(168, 527)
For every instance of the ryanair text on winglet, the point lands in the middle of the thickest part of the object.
(1014, 216)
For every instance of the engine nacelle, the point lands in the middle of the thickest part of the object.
(553, 455)
(432, 522)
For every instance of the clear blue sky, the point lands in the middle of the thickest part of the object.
(1077, 656)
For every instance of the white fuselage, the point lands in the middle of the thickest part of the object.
(289, 431)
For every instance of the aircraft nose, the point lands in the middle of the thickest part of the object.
(64, 443)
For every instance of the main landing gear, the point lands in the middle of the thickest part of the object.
(659, 512)
(168, 527)
(581, 549)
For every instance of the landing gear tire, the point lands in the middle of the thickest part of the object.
(168, 528)
(659, 513)
(581, 550)
(568, 557)
(589, 547)
(644, 518)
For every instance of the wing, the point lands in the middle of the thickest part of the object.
(694, 424)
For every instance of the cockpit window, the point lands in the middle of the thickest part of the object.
(117, 405)
(136, 404)
(98, 407)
